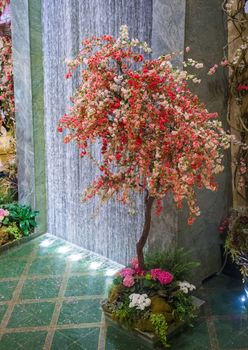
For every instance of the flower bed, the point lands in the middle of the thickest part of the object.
(153, 302)
(16, 221)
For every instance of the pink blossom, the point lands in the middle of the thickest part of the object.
(242, 87)
(134, 263)
(164, 277)
(127, 271)
(212, 70)
(3, 212)
(224, 63)
(155, 273)
(187, 49)
(139, 271)
(128, 281)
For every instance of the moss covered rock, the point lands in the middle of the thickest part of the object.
(115, 292)
(4, 235)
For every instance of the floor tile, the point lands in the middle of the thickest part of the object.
(82, 311)
(232, 333)
(76, 339)
(53, 248)
(23, 341)
(48, 266)
(223, 282)
(40, 288)
(118, 339)
(87, 285)
(23, 250)
(89, 264)
(3, 309)
(7, 289)
(11, 268)
(225, 302)
(31, 315)
(192, 338)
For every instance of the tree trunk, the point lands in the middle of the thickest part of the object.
(146, 229)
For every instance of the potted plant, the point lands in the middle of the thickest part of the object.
(155, 136)
(155, 302)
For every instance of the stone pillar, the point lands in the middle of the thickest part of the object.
(200, 25)
(168, 28)
(206, 35)
(28, 86)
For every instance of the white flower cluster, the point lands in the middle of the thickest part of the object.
(185, 287)
(140, 301)
(124, 33)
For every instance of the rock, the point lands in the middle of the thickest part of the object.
(4, 236)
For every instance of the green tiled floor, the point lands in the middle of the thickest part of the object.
(50, 293)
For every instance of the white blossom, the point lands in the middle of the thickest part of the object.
(185, 286)
(139, 301)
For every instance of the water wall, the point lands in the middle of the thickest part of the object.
(112, 231)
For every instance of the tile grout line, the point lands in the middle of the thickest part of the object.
(57, 308)
(16, 294)
(40, 277)
(213, 339)
(54, 300)
(214, 343)
(102, 334)
(54, 327)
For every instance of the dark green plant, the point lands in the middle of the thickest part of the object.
(176, 261)
(6, 196)
(160, 327)
(183, 308)
(22, 215)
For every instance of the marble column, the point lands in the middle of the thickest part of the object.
(206, 35)
(29, 91)
(200, 25)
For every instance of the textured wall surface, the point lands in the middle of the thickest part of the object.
(206, 35)
(113, 232)
(23, 100)
(168, 30)
(28, 87)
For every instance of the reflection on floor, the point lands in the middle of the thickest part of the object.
(50, 294)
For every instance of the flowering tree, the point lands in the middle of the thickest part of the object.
(156, 136)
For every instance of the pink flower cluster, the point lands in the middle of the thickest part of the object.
(3, 214)
(212, 70)
(129, 273)
(164, 277)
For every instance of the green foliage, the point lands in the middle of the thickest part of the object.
(14, 231)
(176, 261)
(160, 327)
(237, 242)
(22, 215)
(6, 196)
(183, 308)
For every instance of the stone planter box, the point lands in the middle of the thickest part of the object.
(149, 338)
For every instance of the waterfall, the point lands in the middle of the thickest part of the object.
(112, 232)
